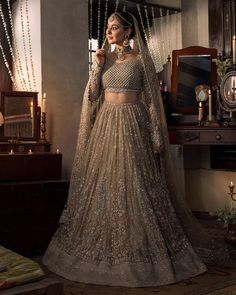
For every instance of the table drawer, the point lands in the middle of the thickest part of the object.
(218, 137)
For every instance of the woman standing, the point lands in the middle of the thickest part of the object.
(124, 223)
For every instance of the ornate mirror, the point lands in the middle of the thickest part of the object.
(21, 116)
(228, 91)
(191, 66)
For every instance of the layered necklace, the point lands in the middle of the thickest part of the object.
(122, 51)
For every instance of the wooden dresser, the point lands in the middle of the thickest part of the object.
(32, 197)
(194, 135)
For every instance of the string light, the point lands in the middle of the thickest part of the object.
(142, 23)
(151, 47)
(117, 4)
(24, 45)
(7, 36)
(90, 34)
(29, 43)
(7, 65)
(18, 69)
(105, 20)
(98, 23)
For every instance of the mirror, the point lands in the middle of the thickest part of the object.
(191, 66)
(21, 116)
(228, 91)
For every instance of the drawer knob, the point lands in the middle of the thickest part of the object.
(218, 137)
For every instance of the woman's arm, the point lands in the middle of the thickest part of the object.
(95, 82)
(95, 76)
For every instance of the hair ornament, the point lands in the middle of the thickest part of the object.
(120, 16)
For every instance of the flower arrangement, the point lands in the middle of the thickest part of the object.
(226, 216)
(223, 64)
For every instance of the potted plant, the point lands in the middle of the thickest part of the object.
(228, 217)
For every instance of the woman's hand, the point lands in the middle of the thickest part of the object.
(100, 57)
(158, 149)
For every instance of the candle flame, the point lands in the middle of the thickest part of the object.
(44, 95)
(234, 37)
(209, 92)
(231, 184)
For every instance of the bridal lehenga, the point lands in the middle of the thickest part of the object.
(125, 223)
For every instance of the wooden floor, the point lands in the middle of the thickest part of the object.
(219, 280)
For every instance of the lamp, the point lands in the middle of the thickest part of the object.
(1, 119)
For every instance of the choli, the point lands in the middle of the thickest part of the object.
(122, 77)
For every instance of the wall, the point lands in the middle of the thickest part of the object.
(59, 41)
(64, 36)
(195, 23)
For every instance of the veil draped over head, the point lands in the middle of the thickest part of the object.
(208, 249)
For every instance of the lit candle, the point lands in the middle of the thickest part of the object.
(234, 49)
(30, 152)
(200, 111)
(231, 184)
(44, 102)
(209, 106)
(11, 152)
(57, 151)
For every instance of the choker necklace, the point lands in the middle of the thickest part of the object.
(121, 52)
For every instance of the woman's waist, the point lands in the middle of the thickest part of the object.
(122, 97)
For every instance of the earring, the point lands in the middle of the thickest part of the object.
(126, 42)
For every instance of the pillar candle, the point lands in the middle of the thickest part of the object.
(44, 103)
(234, 49)
(209, 106)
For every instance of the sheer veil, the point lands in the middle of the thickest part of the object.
(207, 248)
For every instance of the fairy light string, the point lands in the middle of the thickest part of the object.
(8, 38)
(90, 33)
(7, 65)
(24, 45)
(117, 4)
(150, 43)
(98, 22)
(17, 60)
(30, 44)
(105, 20)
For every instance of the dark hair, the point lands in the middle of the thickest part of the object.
(126, 20)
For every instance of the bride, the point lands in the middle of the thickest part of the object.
(124, 223)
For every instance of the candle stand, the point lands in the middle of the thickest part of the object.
(230, 236)
(43, 128)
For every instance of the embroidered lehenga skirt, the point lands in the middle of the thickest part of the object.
(124, 230)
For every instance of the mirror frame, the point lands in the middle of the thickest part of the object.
(229, 105)
(36, 114)
(192, 50)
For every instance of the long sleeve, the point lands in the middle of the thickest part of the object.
(95, 82)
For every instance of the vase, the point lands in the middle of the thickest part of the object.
(230, 236)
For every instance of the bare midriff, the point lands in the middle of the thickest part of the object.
(122, 97)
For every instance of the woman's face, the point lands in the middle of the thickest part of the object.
(115, 32)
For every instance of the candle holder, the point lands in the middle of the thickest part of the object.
(231, 192)
(43, 138)
(200, 113)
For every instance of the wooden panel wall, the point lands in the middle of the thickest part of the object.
(222, 26)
